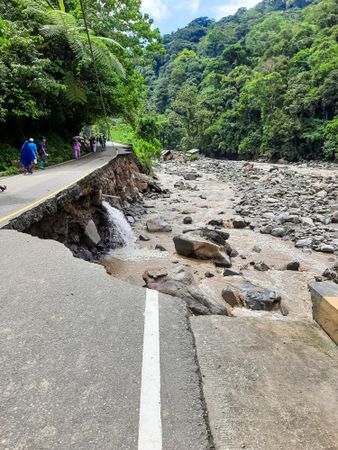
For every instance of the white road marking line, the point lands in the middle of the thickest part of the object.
(150, 424)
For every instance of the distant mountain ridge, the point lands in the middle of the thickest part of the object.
(262, 82)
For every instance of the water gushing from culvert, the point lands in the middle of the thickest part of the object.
(120, 226)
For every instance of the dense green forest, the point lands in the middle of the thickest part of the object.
(52, 82)
(263, 82)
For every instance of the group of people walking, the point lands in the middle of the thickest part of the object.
(30, 151)
(93, 142)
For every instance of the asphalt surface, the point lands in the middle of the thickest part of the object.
(26, 191)
(71, 340)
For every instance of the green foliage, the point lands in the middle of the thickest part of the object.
(8, 155)
(263, 82)
(331, 139)
(48, 72)
(146, 148)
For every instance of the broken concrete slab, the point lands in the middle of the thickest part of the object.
(268, 384)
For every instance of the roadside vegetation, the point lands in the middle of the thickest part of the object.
(53, 84)
(263, 82)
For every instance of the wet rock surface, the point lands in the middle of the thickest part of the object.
(275, 235)
(281, 201)
(180, 282)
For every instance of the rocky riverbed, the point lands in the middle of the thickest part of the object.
(235, 238)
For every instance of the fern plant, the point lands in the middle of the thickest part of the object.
(58, 23)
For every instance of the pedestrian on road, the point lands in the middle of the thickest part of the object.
(104, 142)
(42, 150)
(77, 149)
(28, 155)
(92, 142)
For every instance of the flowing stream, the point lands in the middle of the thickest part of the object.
(121, 225)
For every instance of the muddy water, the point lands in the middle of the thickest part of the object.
(214, 200)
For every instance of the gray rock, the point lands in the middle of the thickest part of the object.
(195, 247)
(326, 248)
(307, 221)
(266, 299)
(209, 275)
(266, 229)
(191, 176)
(231, 273)
(278, 232)
(216, 223)
(92, 236)
(216, 236)
(180, 283)
(293, 265)
(158, 224)
(239, 222)
(187, 220)
(303, 243)
(261, 267)
(85, 255)
(256, 249)
(232, 297)
(144, 238)
(160, 248)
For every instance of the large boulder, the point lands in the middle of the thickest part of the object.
(180, 283)
(158, 224)
(195, 247)
(91, 234)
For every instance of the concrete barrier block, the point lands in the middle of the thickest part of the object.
(324, 297)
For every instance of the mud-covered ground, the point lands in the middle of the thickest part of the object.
(220, 192)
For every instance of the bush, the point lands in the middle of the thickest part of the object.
(8, 154)
(145, 150)
(330, 148)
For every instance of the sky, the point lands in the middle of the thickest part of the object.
(169, 15)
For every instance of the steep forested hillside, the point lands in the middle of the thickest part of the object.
(261, 82)
(52, 82)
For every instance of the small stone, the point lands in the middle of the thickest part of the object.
(239, 222)
(284, 310)
(232, 298)
(160, 248)
(261, 266)
(231, 273)
(293, 265)
(326, 248)
(278, 232)
(307, 221)
(303, 243)
(85, 255)
(209, 275)
(187, 220)
(266, 229)
(256, 249)
(144, 238)
(216, 223)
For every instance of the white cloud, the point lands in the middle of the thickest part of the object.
(157, 9)
(163, 9)
(231, 7)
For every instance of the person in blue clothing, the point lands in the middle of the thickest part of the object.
(28, 155)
